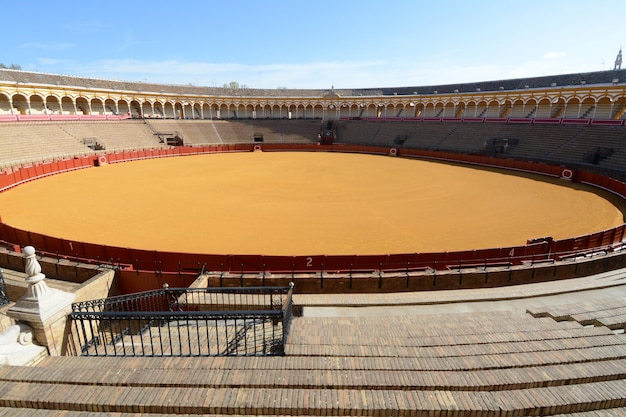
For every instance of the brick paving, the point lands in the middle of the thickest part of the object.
(494, 363)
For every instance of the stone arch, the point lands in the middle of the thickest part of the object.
(168, 110)
(317, 111)
(619, 108)
(96, 106)
(234, 110)
(5, 104)
(82, 106)
(342, 110)
(307, 111)
(213, 108)
(418, 110)
(449, 110)
(572, 108)
(298, 111)
(587, 109)
(403, 108)
(146, 109)
(493, 109)
(459, 109)
(367, 110)
(470, 109)
(429, 110)
(37, 105)
(604, 108)
(481, 108)
(506, 108)
(222, 111)
(159, 113)
(205, 110)
(123, 107)
(20, 104)
(274, 111)
(531, 108)
(68, 105)
(438, 109)
(135, 109)
(246, 110)
(109, 106)
(196, 111)
(261, 111)
(544, 106)
(284, 111)
(406, 110)
(187, 112)
(517, 109)
(381, 110)
(390, 110)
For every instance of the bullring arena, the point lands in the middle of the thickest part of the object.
(451, 250)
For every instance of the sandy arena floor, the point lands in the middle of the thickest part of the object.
(305, 203)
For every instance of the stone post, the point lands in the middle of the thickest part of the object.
(43, 308)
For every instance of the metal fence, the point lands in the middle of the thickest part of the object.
(4, 298)
(250, 321)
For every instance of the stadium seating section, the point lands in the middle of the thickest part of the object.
(556, 355)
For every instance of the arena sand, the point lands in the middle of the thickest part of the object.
(305, 203)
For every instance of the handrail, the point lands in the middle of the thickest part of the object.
(4, 297)
(126, 302)
(152, 324)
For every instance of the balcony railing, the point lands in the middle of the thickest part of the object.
(4, 298)
(250, 321)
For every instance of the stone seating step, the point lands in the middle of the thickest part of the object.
(566, 311)
(345, 377)
(312, 361)
(289, 401)
(410, 338)
(610, 313)
(609, 412)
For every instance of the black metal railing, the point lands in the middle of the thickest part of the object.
(251, 321)
(4, 298)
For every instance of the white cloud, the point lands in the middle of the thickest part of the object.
(410, 71)
(311, 75)
(553, 55)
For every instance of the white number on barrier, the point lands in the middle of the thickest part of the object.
(309, 261)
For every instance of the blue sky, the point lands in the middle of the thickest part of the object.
(312, 44)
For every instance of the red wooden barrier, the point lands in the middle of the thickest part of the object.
(47, 168)
(246, 263)
(38, 240)
(283, 264)
(85, 162)
(185, 263)
(6, 180)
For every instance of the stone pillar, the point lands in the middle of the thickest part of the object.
(43, 308)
